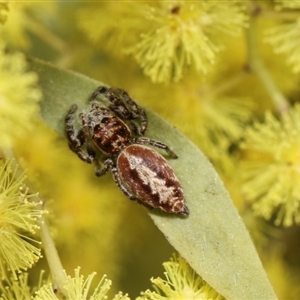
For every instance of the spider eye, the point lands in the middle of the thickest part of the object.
(123, 130)
(102, 90)
(105, 120)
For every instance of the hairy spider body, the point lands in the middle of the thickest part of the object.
(140, 172)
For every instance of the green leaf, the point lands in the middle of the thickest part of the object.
(213, 238)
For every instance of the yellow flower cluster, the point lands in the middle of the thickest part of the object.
(271, 167)
(19, 97)
(15, 289)
(181, 283)
(75, 288)
(79, 288)
(286, 39)
(165, 37)
(18, 217)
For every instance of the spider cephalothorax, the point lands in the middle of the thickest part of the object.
(112, 137)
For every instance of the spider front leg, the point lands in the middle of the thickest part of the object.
(77, 138)
(124, 107)
(157, 144)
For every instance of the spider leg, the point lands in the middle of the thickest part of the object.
(157, 144)
(102, 169)
(107, 165)
(76, 138)
(124, 107)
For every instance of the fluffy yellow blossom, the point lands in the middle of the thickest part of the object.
(165, 37)
(18, 218)
(285, 38)
(178, 34)
(78, 288)
(181, 283)
(271, 168)
(19, 97)
(15, 289)
(22, 17)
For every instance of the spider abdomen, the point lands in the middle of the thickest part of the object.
(151, 180)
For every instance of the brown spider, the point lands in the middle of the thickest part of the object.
(112, 138)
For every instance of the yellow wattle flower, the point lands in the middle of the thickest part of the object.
(19, 97)
(271, 167)
(181, 283)
(18, 215)
(79, 288)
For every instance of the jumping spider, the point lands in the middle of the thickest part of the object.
(111, 137)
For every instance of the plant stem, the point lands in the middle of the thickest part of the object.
(56, 268)
(45, 35)
(257, 66)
